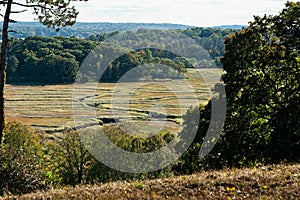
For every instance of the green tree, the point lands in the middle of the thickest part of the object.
(261, 76)
(55, 69)
(21, 161)
(52, 13)
(73, 158)
(13, 62)
(262, 84)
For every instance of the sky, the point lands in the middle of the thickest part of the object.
(189, 12)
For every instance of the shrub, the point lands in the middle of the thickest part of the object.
(21, 169)
(73, 161)
(130, 142)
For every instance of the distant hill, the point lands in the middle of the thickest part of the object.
(236, 27)
(83, 30)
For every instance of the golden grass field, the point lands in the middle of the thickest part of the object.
(268, 182)
(49, 107)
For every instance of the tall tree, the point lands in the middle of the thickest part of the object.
(262, 76)
(52, 13)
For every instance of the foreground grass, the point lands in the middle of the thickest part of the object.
(270, 182)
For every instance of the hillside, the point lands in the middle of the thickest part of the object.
(56, 60)
(84, 30)
(270, 182)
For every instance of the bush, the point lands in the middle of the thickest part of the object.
(136, 142)
(28, 162)
(73, 161)
(21, 168)
(133, 143)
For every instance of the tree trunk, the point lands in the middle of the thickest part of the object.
(3, 65)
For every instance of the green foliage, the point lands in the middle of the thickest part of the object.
(145, 65)
(262, 83)
(46, 60)
(134, 142)
(72, 158)
(261, 75)
(212, 40)
(21, 159)
(30, 162)
(139, 143)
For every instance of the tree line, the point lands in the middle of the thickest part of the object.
(84, 29)
(46, 59)
(56, 60)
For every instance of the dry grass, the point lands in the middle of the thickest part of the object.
(49, 108)
(270, 182)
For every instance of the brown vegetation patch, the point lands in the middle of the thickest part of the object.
(49, 107)
(270, 182)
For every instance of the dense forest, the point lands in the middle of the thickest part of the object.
(51, 60)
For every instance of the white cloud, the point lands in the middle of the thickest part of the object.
(191, 12)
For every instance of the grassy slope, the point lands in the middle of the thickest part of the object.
(271, 182)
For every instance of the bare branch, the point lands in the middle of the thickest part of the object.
(50, 9)
(21, 11)
(31, 5)
(12, 21)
